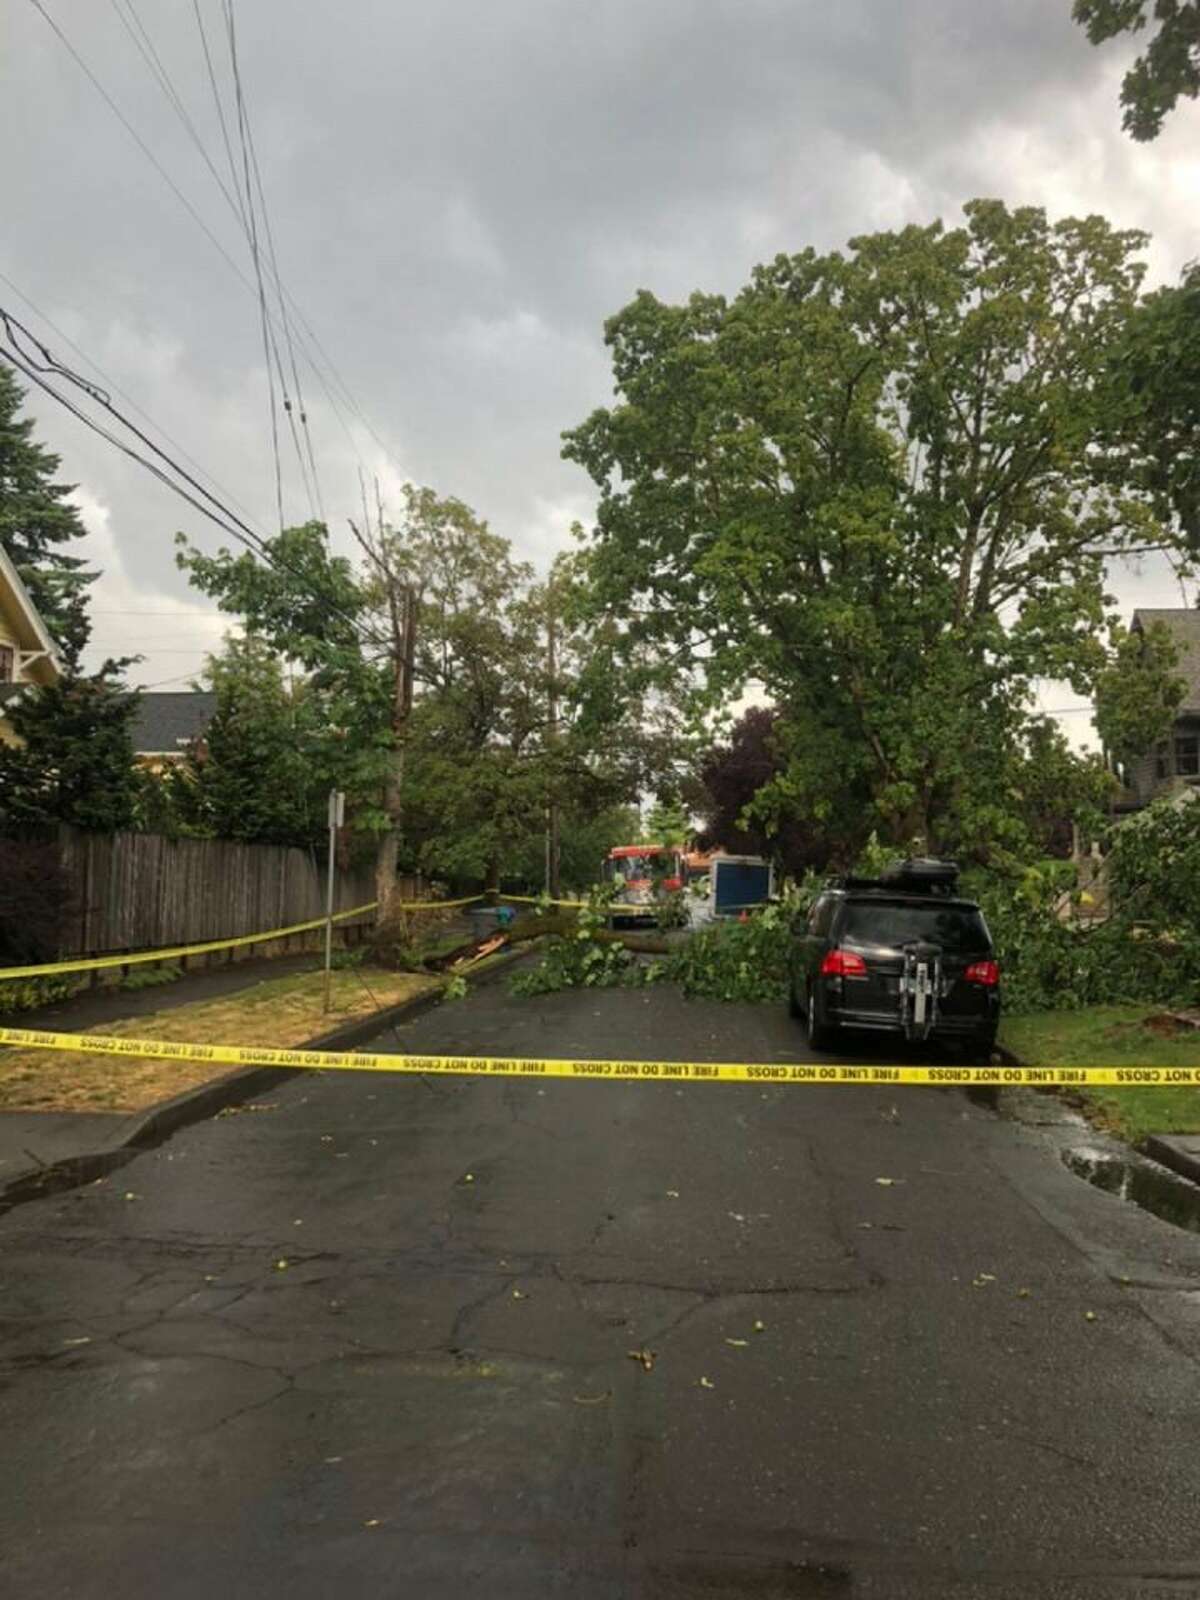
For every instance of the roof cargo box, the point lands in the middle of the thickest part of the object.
(920, 875)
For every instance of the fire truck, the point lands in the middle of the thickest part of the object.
(642, 872)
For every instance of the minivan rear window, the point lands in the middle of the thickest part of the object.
(955, 928)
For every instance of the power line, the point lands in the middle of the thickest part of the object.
(287, 329)
(149, 54)
(222, 517)
(231, 35)
(234, 205)
(129, 401)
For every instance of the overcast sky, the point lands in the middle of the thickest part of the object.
(461, 192)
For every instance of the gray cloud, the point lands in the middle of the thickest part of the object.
(462, 193)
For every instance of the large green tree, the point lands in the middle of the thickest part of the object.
(867, 482)
(1167, 71)
(37, 522)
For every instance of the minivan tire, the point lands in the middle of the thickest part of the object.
(820, 1034)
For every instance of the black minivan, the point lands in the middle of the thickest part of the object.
(901, 953)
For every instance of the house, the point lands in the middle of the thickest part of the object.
(164, 725)
(1175, 762)
(28, 654)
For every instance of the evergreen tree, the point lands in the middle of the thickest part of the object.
(260, 773)
(74, 762)
(36, 521)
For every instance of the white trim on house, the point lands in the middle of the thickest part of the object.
(30, 613)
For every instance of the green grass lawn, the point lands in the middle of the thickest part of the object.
(1113, 1036)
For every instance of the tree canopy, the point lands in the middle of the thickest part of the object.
(460, 783)
(1155, 417)
(868, 482)
(37, 520)
(74, 762)
(262, 770)
(1167, 71)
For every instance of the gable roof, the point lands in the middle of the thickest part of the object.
(165, 724)
(37, 635)
(1183, 624)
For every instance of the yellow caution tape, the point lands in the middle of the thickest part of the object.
(764, 1072)
(540, 900)
(95, 963)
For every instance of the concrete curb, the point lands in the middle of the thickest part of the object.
(146, 1129)
(1179, 1151)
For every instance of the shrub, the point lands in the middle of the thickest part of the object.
(28, 994)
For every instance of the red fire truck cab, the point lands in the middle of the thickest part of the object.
(641, 872)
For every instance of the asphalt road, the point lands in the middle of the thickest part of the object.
(373, 1339)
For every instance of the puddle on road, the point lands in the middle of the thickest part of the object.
(1143, 1183)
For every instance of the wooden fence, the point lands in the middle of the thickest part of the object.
(139, 891)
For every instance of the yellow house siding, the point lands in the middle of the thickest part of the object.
(22, 631)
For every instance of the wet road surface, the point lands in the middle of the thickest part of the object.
(373, 1339)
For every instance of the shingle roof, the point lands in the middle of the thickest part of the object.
(1184, 626)
(165, 724)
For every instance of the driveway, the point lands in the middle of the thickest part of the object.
(466, 1338)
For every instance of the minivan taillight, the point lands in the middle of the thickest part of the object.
(843, 964)
(985, 972)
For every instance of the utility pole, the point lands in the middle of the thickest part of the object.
(337, 818)
(552, 815)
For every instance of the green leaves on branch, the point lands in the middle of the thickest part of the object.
(1167, 71)
(1138, 693)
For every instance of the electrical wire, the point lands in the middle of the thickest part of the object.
(129, 401)
(233, 203)
(248, 196)
(149, 54)
(221, 516)
(312, 349)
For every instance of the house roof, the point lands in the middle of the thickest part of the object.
(165, 724)
(1184, 626)
(36, 636)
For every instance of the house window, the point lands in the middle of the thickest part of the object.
(8, 662)
(1187, 755)
(1160, 761)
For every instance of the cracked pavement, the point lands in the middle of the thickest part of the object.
(384, 1338)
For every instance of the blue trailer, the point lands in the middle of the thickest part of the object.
(739, 883)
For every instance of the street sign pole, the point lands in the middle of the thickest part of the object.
(337, 816)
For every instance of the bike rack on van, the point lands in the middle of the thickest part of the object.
(920, 989)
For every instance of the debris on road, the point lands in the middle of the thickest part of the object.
(707, 1383)
(592, 1399)
(645, 1356)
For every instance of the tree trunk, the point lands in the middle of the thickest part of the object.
(388, 854)
(404, 640)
